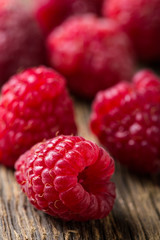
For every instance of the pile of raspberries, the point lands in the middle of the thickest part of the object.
(91, 49)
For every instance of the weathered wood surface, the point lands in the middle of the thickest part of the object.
(136, 214)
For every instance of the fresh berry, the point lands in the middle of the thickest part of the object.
(140, 19)
(21, 41)
(51, 13)
(126, 119)
(68, 177)
(34, 105)
(92, 53)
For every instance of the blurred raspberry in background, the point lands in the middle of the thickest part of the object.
(21, 40)
(51, 13)
(140, 19)
(93, 53)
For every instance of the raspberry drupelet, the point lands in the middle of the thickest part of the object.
(89, 51)
(21, 40)
(34, 105)
(140, 19)
(68, 177)
(126, 120)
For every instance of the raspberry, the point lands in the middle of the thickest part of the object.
(21, 41)
(140, 19)
(126, 119)
(34, 105)
(88, 51)
(68, 177)
(51, 13)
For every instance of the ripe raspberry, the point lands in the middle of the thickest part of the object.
(34, 105)
(51, 13)
(126, 119)
(88, 51)
(140, 19)
(21, 42)
(68, 177)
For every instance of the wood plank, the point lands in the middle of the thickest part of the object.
(136, 214)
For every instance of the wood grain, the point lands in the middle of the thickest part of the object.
(136, 214)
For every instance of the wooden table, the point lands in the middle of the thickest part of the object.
(136, 213)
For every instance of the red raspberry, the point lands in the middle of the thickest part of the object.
(68, 177)
(51, 13)
(126, 119)
(34, 105)
(140, 19)
(88, 51)
(21, 42)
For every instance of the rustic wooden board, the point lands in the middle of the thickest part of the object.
(136, 214)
